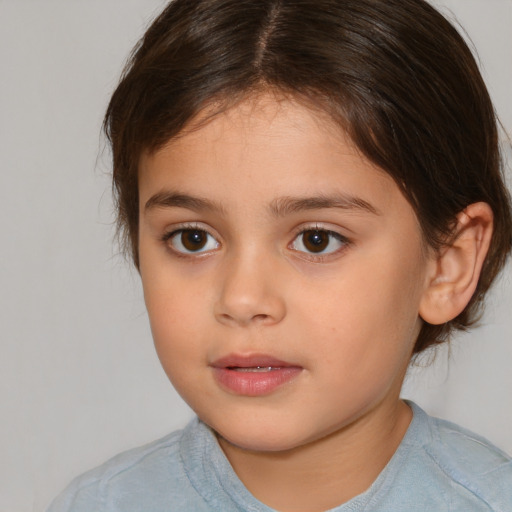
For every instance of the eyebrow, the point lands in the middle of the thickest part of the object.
(279, 207)
(177, 200)
(286, 205)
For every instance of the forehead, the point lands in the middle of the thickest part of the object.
(265, 147)
(258, 119)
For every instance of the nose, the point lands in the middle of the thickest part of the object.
(250, 293)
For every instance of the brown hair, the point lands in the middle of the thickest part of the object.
(395, 74)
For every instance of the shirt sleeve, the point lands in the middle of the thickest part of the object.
(79, 496)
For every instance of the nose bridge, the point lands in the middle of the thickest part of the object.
(249, 290)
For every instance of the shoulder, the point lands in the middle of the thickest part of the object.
(473, 464)
(133, 480)
(469, 449)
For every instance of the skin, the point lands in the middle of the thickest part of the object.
(348, 316)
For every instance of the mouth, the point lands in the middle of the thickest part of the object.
(254, 375)
(255, 369)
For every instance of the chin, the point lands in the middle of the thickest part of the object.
(260, 443)
(261, 436)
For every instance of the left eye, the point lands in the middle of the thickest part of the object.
(318, 241)
(190, 241)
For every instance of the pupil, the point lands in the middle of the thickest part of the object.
(193, 240)
(315, 241)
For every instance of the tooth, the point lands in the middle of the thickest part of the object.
(257, 369)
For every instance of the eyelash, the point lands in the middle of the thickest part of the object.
(167, 238)
(314, 230)
(320, 256)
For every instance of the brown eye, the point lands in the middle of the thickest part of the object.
(319, 241)
(315, 241)
(192, 241)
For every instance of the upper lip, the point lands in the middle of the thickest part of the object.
(250, 361)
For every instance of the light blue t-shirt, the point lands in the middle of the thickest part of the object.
(438, 467)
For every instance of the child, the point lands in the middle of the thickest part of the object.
(311, 192)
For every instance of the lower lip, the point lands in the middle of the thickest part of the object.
(255, 383)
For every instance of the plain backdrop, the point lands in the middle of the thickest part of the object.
(79, 380)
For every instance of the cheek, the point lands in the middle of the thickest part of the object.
(175, 318)
(366, 319)
(172, 299)
(178, 338)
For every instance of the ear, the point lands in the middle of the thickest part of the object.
(456, 267)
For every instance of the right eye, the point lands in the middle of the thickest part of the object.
(192, 241)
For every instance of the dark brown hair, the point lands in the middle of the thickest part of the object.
(395, 74)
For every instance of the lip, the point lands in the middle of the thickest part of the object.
(253, 375)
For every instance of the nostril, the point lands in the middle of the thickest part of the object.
(245, 317)
(260, 317)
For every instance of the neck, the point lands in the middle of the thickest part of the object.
(327, 472)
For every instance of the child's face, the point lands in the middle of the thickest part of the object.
(267, 240)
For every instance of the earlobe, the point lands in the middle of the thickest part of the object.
(456, 268)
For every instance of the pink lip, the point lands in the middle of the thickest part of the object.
(273, 373)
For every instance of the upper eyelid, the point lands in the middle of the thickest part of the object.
(342, 238)
(296, 232)
(184, 226)
(317, 226)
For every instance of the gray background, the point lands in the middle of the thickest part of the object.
(79, 380)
